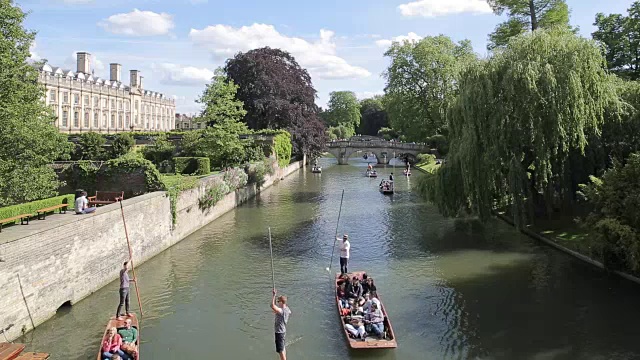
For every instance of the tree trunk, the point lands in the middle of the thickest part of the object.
(534, 17)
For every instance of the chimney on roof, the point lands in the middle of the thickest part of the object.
(141, 80)
(84, 62)
(134, 80)
(116, 72)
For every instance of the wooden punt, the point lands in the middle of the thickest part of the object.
(371, 342)
(371, 174)
(119, 324)
(387, 191)
(316, 170)
(9, 351)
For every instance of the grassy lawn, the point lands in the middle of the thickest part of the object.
(428, 167)
(180, 180)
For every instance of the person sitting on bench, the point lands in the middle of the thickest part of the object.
(82, 204)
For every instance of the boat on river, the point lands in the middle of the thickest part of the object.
(406, 172)
(13, 351)
(120, 324)
(370, 342)
(316, 170)
(371, 173)
(387, 187)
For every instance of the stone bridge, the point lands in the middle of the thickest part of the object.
(383, 150)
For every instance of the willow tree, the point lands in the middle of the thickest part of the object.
(518, 116)
(422, 82)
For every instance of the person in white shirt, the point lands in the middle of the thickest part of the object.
(82, 204)
(345, 248)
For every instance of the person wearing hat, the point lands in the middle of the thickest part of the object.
(345, 248)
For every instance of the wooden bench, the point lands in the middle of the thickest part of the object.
(13, 219)
(42, 213)
(105, 197)
(10, 351)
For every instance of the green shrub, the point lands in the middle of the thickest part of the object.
(32, 207)
(121, 145)
(214, 193)
(235, 178)
(426, 159)
(175, 184)
(282, 147)
(89, 147)
(192, 165)
(82, 175)
(161, 151)
(115, 175)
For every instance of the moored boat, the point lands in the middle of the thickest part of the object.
(369, 342)
(120, 324)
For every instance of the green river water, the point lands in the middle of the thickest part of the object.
(453, 289)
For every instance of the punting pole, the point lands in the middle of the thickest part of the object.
(335, 238)
(273, 274)
(133, 268)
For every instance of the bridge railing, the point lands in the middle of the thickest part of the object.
(377, 144)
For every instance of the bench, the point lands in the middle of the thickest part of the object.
(105, 197)
(42, 213)
(13, 219)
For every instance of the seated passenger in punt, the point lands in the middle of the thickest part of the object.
(111, 345)
(354, 289)
(368, 286)
(369, 300)
(375, 318)
(355, 327)
(129, 337)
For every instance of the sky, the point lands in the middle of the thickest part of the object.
(178, 44)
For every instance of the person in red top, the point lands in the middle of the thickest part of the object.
(111, 345)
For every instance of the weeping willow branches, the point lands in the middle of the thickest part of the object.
(517, 117)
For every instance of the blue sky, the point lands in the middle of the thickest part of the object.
(177, 44)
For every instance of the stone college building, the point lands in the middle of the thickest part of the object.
(84, 103)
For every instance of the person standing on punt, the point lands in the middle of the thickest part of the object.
(124, 291)
(345, 249)
(282, 313)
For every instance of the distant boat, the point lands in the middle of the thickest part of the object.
(316, 170)
(386, 187)
(371, 173)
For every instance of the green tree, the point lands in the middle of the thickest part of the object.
(121, 145)
(220, 143)
(344, 109)
(526, 15)
(422, 82)
(29, 141)
(90, 147)
(615, 220)
(219, 101)
(160, 151)
(517, 119)
(620, 37)
(374, 116)
(341, 132)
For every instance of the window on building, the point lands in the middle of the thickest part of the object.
(76, 119)
(104, 120)
(96, 118)
(104, 102)
(65, 97)
(86, 101)
(137, 120)
(76, 99)
(120, 125)
(65, 118)
(126, 105)
(127, 122)
(86, 119)
(52, 96)
(95, 101)
(119, 104)
(137, 105)
(113, 104)
(113, 120)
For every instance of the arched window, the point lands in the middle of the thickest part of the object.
(104, 120)
(120, 121)
(96, 118)
(86, 119)
(127, 122)
(76, 119)
(65, 118)
(113, 121)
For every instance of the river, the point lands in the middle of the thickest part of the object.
(453, 289)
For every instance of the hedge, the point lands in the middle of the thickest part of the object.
(192, 165)
(32, 207)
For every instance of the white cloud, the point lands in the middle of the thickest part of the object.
(368, 94)
(410, 37)
(433, 8)
(182, 75)
(318, 57)
(34, 55)
(139, 23)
